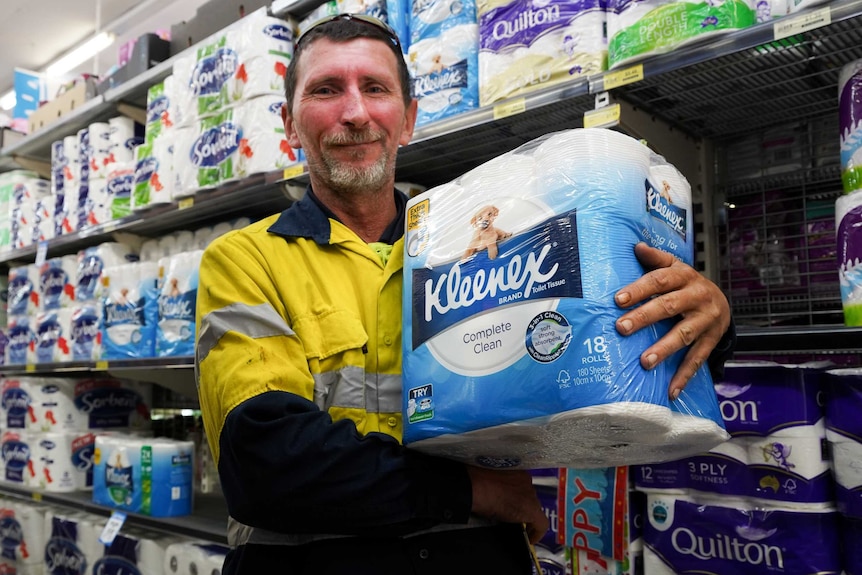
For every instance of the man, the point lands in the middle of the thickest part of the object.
(299, 350)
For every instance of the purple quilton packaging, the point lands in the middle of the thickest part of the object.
(689, 537)
(844, 402)
(762, 398)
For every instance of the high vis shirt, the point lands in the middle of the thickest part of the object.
(298, 364)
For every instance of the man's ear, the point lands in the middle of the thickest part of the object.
(409, 122)
(289, 132)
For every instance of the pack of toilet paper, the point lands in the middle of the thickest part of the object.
(135, 551)
(445, 72)
(148, 476)
(194, 557)
(16, 398)
(21, 332)
(71, 542)
(23, 528)
(844, 432)
(684, 534)
(161, 108)
(511, 354)
(848, 237)
(524, 46)
(118, 187)
(245, 60)
(23, 291)
(97, 403)
(178, 290)
(64, 461)
(850, 120)
(130, 310)
(233, 144)
(637, 29)
(91, 262)
(57, 282)
(17, 463)
(430, 18)
(153, 181)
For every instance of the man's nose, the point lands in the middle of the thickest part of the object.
(355, 109)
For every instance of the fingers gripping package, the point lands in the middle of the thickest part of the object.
(511, 355)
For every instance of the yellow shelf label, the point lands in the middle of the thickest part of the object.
(37, 496)
(623, 77)
(101, 365)
(510, 108)
(185, 203)
(293, 172)
(603, 117)
(30, 368)
(798, 24)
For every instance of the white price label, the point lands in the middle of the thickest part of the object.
(798, 24)
(112, 527)
(41, 253)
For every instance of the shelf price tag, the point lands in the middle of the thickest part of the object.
(112, 527)
(37, 497)
(603, 117)
(30, 368)
(41, 253)
(803, 23)
(622, 77)
(510, 108)
(101, 365)
(293, 172)
(185, 203)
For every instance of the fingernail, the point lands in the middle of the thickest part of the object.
(674, 394)
(651, 360)
(626, 324)
(623, 298)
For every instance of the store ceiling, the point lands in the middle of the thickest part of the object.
(33, 33)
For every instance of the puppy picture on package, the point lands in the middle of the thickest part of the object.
(485, 233)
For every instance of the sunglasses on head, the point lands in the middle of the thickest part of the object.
(363, 18)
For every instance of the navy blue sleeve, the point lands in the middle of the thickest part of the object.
(722, 352)
(287, 467)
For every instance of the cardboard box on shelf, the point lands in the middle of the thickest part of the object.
(63, 104)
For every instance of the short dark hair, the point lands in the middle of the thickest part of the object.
(344, 30)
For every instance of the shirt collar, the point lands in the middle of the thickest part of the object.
(309, 218)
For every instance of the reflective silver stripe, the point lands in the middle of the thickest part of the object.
(255, 321)
(240, 534)
(351, 387)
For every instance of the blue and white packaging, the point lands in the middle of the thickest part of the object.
(23, 527)
(178, 291)
(430, 18)
(91, 262)
(21, 331)
(445, 73)
(187, 557)
(71, 542)
(511, 354)
(127, 467)
(57, 282)
(23, 290)
(54, 336)
(64, 461)
(131, 311)
(16, 452)
(16, 396)
(84, 336)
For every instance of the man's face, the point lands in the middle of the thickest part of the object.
(348, 114)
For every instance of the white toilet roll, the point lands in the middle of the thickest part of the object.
(67, 404)
(100, 145)
(151, 251)
(57, 282)
(121, 182)
(17, 448)
(185, 241)
(125, 136)
(202, 237)
(71, 539)
(22, 290)
(54, 336)
(92, 260)
(21, 331)
(24, 540)
(847, 461)
(178, 284)
(16, 398)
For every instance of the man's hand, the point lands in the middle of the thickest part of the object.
(671, 288)
(508, 496)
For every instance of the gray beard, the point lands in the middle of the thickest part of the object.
(346, 179)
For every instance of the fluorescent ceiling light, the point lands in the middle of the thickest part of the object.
(80, 54)
(8, 100)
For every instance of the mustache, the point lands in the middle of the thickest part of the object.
(353, 137)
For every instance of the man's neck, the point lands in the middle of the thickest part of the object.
(367, 214)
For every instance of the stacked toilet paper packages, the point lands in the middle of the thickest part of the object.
(443, 58)
(9, 181)
(55, 313)
(526, 45)
(640, 29)
(90, 174)
(49, 426)
(511, 354)
(848, 207)
(29, 204)
(761, 502)
(217, 118)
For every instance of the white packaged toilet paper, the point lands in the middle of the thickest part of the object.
(71, 542)
(92, 260)
(178, 288)
(511, 354)
(54, 336)
(16, 402)
(17, 449)
(72, 404)
(130, 311)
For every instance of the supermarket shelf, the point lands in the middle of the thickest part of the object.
(208, 520)
(256, 196)
(174, 373)
(800, 340)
